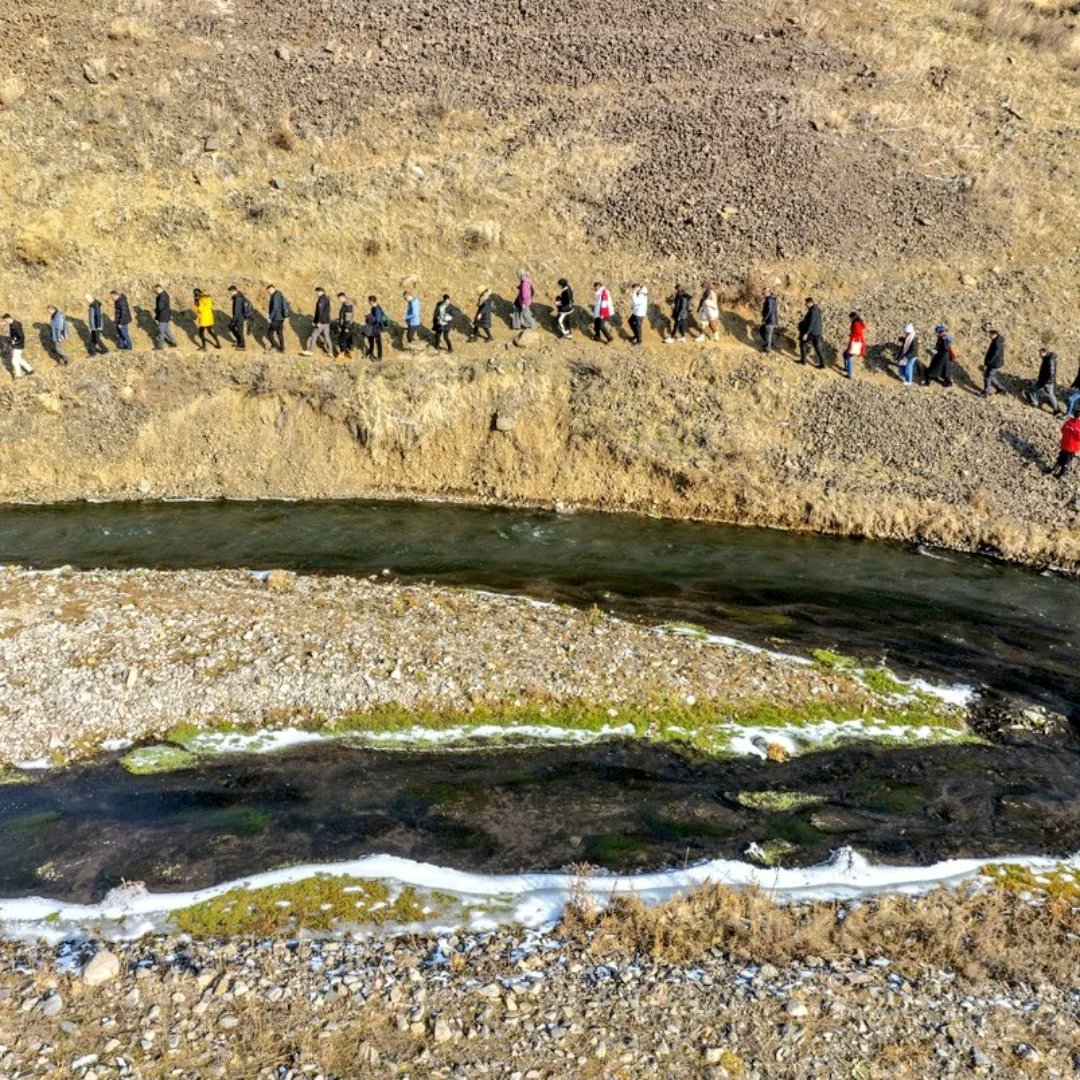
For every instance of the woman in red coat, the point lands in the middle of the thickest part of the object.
(856, 343)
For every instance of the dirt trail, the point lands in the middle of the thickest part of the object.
(712, 433)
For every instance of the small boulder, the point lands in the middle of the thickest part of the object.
(776, 753)
(211, 144)
(102, 968)
(95, 69)
(504, 422)
(280, 579)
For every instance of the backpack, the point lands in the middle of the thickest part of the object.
(248, 310)
(381, 321)
(286, 308)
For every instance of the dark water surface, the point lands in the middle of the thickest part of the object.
(951, 616)
(620, 805)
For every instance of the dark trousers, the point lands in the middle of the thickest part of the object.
(767, 331)
(236, 328)
(938, 371)
(804, 348)
(991, 379)
(97, 343)
(374, 346)
(443, 335)
(203, 331)
(599, 327)
(345, 339)
(275, 336)
(410, 333)
(678, 326)
(635, 328)
(482, 331)
(1061, 466)
(123, 338)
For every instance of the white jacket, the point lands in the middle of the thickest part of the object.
(639, 302)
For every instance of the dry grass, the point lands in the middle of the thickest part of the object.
(12, 90)
(127, 28)
(981, 934)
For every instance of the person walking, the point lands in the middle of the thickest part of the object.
(603, 309)
(204, 319)
(374, 325)
(907, 354)
(163, 318)
(122, 318)
(95, 322)
(941, 359)
(1074, 394)
(522, 318)
(770, 319)
(1070, 444)
(708, 313)
(1044, 381)
(240, 314)
(346, 325)
(442, 320)
(639, 311)
(481, 324)
(412, 318)
(276, 314)
(680, 315)
(564, 307)
(58, 334)
(856, 344)
(320, 325)
(811, 333)
(993, 362)
(13, 330)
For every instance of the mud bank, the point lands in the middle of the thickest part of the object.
(691, 432)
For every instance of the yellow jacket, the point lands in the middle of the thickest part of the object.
(204, 311)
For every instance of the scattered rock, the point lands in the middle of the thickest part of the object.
(102, 968)
(796, 1009)
(504, 422)
(95, 69)
(211, 144)
(280, 579)
(277, 183)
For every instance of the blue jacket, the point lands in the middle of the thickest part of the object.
(58, 327)
(412, 312)
(93, 316)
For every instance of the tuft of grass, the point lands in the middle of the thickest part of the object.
(147, 760)
(778, 801)
(828, 660)
(1059, 884)
(25, 827)
(12, 90)
(771, 852)
(12, 777)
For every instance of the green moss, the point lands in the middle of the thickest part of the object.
(147, 760)
(26, 826)
(613, 849)
(778, 801)
(11, 777)
(234, 820)
(1061, 882)
(771, 852)
(316, 905)
(687, 628)
(881, 681)
(885, 797)
(795, 830)
(675, 829)
(832, 661)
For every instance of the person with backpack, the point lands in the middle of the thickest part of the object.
(412, 318)
(907, 354)
(603, 309)
(481, 325)
(346, 325)
(993, 362)
(320, 325)
(1074, 394)
(941, 359)
(163, 317)
(441, 322)
(680, 315)
(1069, 446)
(95, 322)
(811, 333)
(639, 311)
(770, 318)
(204, 319)
(13, 331)
(1044, 381)
(122, 318)
(374, 325)
(522, 317)
(564, 307)
(856, 344)
(58, 334)
(708, 313)
(240, 316)
(277, 312)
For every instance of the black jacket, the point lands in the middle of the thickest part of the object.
(162, 307)
(122, 311)
(17, 335)
(483, 309)
(1047, 370)
(442, 317)
(770, 311)
(995, 354)
(277, 311)
(811, 324)
(238, 302)
(1076, 381)
(680, 306)
(346, 315)
(322, 309)
(565, 300)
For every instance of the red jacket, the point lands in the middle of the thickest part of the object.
(856, 345)
(1070, 435)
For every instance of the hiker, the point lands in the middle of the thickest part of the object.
(907, 354)
(564, 307)
(240, 317)
(16, 338)
(346, 324)
(122, 318)
(374, 325)
(276, 314)
(770, 318)
(1074, 394)
(58, 334)
(522, 318)
(481, 325)
(1044, 381)
(856, 343)
(1070, 444)
(320, 329)
(163, 317)
(442, 320)
(412, 316)
(680, 315)
(95, 322)
(204, 319)
(603, 309)
(708, 313)
(993, 362)
(941, 359)
(811, 329)
(639, 311)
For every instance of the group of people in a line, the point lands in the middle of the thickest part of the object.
(347, 330)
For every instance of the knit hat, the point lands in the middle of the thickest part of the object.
(909, 328)
(940, 330)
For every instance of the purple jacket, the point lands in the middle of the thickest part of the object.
(524, 296)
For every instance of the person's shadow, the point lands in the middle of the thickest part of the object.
(301, 326)
(502, 309)
(144, 320)
(44, 333)
(1026, 450)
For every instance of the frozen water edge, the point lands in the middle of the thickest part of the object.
(532, 901)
